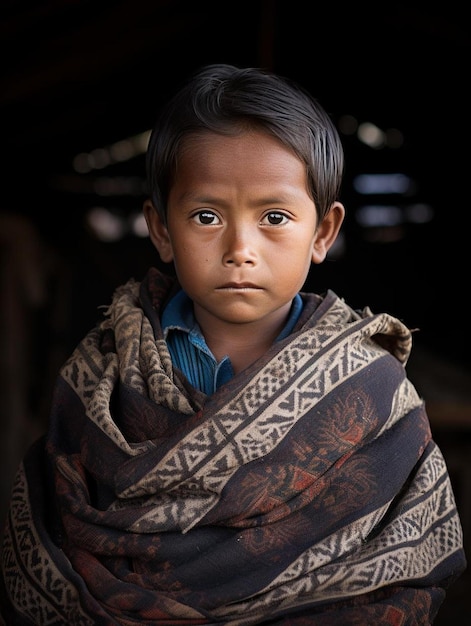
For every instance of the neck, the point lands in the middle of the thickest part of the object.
(242, 343)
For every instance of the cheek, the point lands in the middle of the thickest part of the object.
(295, 262)
(298, 251)
(191, 259)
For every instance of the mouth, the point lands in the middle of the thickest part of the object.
(238, 286)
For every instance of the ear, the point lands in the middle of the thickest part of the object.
(327, 232)
(158, 232)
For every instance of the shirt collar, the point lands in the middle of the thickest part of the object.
(178, 314)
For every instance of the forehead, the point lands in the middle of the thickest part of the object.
(251, 167)
(235, 148)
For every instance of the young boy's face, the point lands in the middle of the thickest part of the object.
(241, 228)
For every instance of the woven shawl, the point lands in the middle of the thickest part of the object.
(307, 490)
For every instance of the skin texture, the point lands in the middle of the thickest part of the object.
(242, 233)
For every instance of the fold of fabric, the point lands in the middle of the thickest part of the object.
(307, 490)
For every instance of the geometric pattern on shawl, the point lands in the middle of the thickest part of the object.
(308, 489)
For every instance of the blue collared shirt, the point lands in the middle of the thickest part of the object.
(189, 350)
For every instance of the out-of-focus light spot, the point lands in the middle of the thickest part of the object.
(111, 227)
(99, 158)
(122, 150)
(419, 213)
(141, 141)
(378, 215)
(139, 225)
(391, 183)
(81, 163)
(104, 225)
(374, 215)
(348, 124)
(371, 135)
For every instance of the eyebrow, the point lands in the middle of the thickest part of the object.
(281, 198)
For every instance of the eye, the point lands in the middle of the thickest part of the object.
(274, 218)
(206, 217)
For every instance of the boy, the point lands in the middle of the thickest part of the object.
(223, 447)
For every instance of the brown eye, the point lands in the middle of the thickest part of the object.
(276, 219)
(206, 217)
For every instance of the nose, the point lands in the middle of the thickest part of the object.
(239, 246)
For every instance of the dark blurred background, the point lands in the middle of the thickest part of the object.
(80, 86)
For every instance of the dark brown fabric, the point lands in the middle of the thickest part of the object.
(307, 490)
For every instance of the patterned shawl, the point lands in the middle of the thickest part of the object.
(307, 490)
